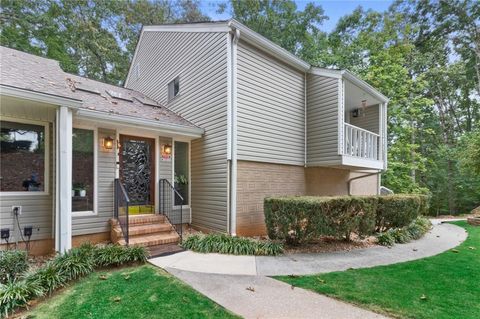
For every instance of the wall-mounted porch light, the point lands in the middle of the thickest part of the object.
(108, 143)
(167, 149)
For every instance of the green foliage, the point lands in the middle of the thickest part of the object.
(415, 230)
(299, 219)
(115, 255)
(12, 264)
(56, 273)
(395, 211)
(16, 293)
(143, 292)
(224, 244)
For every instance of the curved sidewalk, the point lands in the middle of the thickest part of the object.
(441, 238)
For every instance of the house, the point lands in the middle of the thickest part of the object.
(213, 118)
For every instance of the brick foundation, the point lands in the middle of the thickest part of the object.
(256, 180)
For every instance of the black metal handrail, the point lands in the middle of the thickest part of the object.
(167, 203)
(122, 202)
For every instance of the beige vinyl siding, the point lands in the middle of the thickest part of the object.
(200, 61)
(322, 120)
(270, 109)
(368, 119)
(98, 223)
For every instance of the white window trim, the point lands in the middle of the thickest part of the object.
(173, 98)
(46, 175)
(189, 171)
(93, 212)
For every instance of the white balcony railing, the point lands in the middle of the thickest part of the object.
(361, 143)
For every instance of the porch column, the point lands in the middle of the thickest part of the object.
(63, 214)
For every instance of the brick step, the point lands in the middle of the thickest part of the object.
(145, 219)
(143, 229)
(152, 239)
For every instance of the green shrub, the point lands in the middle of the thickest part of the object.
(116, 255)
(74, 264)
(386, 239)
(415, 230)
(224, 244)
(16, 293)
(49, 276)
(12, 264)
(298, 219)
(396, 211)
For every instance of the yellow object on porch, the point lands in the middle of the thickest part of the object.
(141, 209)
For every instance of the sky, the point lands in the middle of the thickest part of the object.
(334, 9)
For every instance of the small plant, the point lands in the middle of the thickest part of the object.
(386, 239)
(49, 276)
(12, 264)
(74, 264)
(16, 293)
(415, 230)
(224, 244)
(181, 179)
(115, 255)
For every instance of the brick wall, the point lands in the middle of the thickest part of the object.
(256, 180)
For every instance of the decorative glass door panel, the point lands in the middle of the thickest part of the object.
(137, 172)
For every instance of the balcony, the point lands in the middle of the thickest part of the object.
(361, 143)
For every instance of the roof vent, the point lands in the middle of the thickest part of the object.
(118, 95)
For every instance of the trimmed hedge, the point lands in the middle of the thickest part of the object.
(224, 244)
(299, 219)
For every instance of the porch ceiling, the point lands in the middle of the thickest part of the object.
(354, 96)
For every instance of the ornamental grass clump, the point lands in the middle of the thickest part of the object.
(224, 244)
(415, 230)
(24, 286)
(12, 264)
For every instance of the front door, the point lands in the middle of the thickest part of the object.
(137, 172)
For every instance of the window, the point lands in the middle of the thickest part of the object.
(182, 177)
(83, 162)
(23, 157)
(173, 88)
(136, 71)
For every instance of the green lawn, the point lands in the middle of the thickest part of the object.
(141, 292)
(449, 282)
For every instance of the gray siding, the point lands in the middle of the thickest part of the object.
(270, 109)
(98, 223)
(200, 60)
(322, 120)
(368, 120)
(37, 210)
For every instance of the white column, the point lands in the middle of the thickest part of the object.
(63, 214)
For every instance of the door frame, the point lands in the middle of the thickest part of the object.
(153, 161)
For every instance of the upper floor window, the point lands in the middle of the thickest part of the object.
(136, 71)
(173, 88)
(23, 157)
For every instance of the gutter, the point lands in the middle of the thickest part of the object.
(194, 132)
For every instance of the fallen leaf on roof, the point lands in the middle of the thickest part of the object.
(250, 289)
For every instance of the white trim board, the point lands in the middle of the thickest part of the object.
(54, 100)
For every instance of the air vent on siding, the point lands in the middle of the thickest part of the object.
(120, 96)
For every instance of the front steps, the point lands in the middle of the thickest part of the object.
(145, 230)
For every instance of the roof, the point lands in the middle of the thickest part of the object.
(25, 71)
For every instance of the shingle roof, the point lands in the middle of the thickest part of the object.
(34, 73)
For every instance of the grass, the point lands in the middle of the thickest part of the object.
(440, 287)
(141, 292)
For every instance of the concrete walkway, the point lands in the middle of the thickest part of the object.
(441, 238)
(263, 297)
(239, 283)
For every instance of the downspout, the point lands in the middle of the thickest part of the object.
(349, 183)
(305, 119)
(233, 137)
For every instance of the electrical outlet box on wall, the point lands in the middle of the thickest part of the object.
(16, 210)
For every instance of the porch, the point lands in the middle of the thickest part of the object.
(67, 143)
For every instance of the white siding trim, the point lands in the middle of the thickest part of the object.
(39, 97)
(234, 129)
(63, 227)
